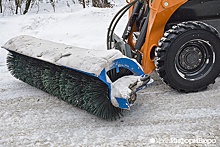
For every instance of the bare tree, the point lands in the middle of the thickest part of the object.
(0, 6)
(52, 2)
(35, 3)
(28, 3)
(18, 4)
(83, 3)
(101, 3)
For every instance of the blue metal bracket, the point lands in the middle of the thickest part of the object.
(128, 64)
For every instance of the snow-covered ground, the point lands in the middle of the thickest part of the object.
(162, 116)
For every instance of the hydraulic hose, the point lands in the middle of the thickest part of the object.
(133, 17)
(142, 36)
(113, 23)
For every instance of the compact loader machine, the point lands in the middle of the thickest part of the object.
(178, 38)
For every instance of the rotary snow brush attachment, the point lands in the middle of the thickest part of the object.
(100, 82)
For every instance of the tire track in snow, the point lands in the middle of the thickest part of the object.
(30, 117)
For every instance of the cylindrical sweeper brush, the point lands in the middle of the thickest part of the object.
(80, 77)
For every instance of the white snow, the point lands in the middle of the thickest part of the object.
(30, 117)
(86, 28)
(86, 49)
(75, 26)
(86, 60)
(120, 88)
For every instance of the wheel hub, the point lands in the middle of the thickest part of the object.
(190, 58)
(195, 59)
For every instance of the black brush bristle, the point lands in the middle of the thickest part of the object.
(114, 75)
(86, 92)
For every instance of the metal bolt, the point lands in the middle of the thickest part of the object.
(166, 4)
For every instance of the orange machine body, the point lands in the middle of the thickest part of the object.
(160, 12)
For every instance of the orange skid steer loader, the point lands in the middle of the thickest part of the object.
(178, 38)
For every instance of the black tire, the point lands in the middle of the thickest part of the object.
(188, 56)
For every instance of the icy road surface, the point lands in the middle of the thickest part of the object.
(162, 117)
(30, 117)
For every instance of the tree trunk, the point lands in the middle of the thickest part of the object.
(100, 3)
(28, 3)
(0, 6)
(96, 3)
(52, 2)
(83, 3)
(16, 6)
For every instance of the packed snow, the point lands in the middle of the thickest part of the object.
(86, 60)
(161, 117)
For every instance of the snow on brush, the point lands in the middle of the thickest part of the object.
(161, 116)
(86, 60)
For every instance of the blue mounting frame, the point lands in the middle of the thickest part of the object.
(129, 64)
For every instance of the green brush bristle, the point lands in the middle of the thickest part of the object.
(76, 88)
